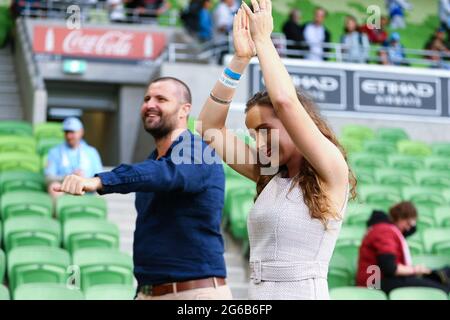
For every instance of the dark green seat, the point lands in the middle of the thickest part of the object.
(2, 265)
(4, 293)
(37, 265)
(358, 213)
(48, 130)
(110, 292)
(90, 233)
(380, 196)
(380, 147)
(406, 162)
(367, 160)
(25, 203)
(103, 266)
(45, 144)
(21, 181)
(241, 203)
(356, 293)
(426, 216)
(442, 216)
(13, 161)
(415, 242)
(16, 128)
(441, 149)
(88, 206)
(394, 177)
(413, 148)
(437, 241)
(47, 291)
(424, 196)
(349, 241)
(417, 293)
(31, 231)
(392, 135)
(341, 272)
(438, 163)
(18, 144)
(433, 178)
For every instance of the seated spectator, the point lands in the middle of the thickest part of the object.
(223, 16)
(385, 246)
(293, 31)
(205, 32)
(377, 35)
(356, 45)
(393, 52)
(396, 9)
(190, 16)
(437, 43)
(116, 10)
(316, 35)
(155, 8)
(74, 156)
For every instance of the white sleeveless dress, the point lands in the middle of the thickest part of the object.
(289, 251)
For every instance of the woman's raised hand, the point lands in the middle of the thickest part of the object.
(260, 19)
(243, 44)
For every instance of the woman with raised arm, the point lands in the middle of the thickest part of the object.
(297, 216)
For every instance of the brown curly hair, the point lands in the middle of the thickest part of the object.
(308, 180)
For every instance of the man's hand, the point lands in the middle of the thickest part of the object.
(77, 185)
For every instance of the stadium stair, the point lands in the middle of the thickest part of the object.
(10, 107)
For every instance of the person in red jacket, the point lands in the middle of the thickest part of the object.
(385, 246)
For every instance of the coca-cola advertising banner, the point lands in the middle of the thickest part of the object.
(98, 43)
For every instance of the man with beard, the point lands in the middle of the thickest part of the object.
(178, 247)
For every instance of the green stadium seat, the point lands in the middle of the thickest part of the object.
(394, 177)
(12, 161)
(349, 241)
(441, 149)
(424, 196)
(446, 195)
(25, 203)
(431, 261)
(434, 179)
(236, 183)
(241, 204)
(358, 132)
(415, 242)
(45, 144)
(442, 216)
(425, 218)
(364, 175)
(2, 265)
(191, 124)
(90, 233)
(16, 128)
(103, 266)
(358, 213)
(18, 144)
(110, 292)
(37, 264)
(31, 231)
(380, 196)
(356, 293)
(88, 206)
(380, 147)
(400, 161)
(48, 130)
(341, 271)
(47, 291)
(437, 241)
(438, 163)
(230, 172)
(351, 145)
(392, 135)
(367, 160)
(417, 293)
(21, 181)
(4, 293)
(414, 148)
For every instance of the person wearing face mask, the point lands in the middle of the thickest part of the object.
(385, 246)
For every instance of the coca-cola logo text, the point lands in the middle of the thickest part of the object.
(110, 43)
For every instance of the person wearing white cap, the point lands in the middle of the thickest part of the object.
(74, 156)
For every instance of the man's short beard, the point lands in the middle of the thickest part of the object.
(164, 128)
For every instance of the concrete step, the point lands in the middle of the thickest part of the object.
(8, 77)
(6, 68)
(7, 99)
(8, 88)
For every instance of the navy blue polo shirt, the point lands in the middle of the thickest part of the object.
(179, 202)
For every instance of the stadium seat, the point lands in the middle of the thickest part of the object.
(13, 161)
(48, 130)
(37, 264)
(45, 144)
(417, 293)
(351, 145)
(25, 203)
(88, 233)
(191, 124)
(241, 203)
(2, 265)
(394, 177)
(379, 147)
(4, 293)
(424, 196)
(367, 160)
(413, 148)
(392, 135)
(356, 293)
(442, 216)
(21, 181)
(89, 206)
(18, 144)
(341, 271)
(441, 149)
(359, 132)
(236, 183)
(435, 179)
(425, 218)
(400, 161)
(103, 266)
(16, 128)
(415, 242)
(364, 175)
(437, 241)
(431, 261)
(47, 291)
(358, 214)
(230, 172)
(380, 196)
(110, 292)
(349, 241)
(31, 231)
(438, 163)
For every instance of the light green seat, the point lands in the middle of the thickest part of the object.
(349, 241)
(97, 15)
(18, 144)
(431, 261)
(434, 178)
(413, 148)
(415, 242)
(425, 218)
(31, 231)
(2, 265)
(394, 177)
(47, 291)
(13, 161)
(230, 172)
(192, 122)
(48, 130)
(21, 181)
(17, 128)
(103, 266)
(437, 241)
(90, 233)
(417, 293)
(351, 145)
(442, 216)
(110, 292)
(88, 206)
(25, 203)
(364, 175)
(380, 196)
(367, 160)
(424, 196)
(341, 271)
(400, 161)
(45, 144)
(358, 213)
(37, 264)
(241, 203)
(379, 147)
(356, 293)
(357, 132)
(441, 149)
(438, 163)
(4, 293)
(392, 135)
(236, 183)
(446, 195)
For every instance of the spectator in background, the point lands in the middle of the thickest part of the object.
(74, 156)
(437, 43)
(316, 35)
(205, 32)
(223, 16)
(444, 15)
(356, 45)
(293, 31)
(116, 10)
(155, 8)
(393, 52)
(385, 246)
(375, 35)
(396, 9)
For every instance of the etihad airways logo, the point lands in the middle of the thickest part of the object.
(398, 88)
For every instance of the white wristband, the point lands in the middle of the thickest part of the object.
(227, 82)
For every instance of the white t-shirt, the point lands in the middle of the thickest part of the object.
(118, 11)
(315, 37)
(224, 15)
